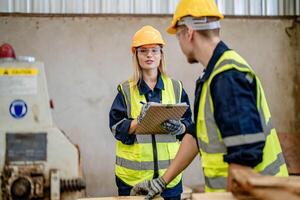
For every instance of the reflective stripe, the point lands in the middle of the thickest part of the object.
(114, 127)
(249, 77)
(211, 148)
(177, 90)
(244, 139)
(267, 127)
(145, 165)
(216, 182)
(158, 138)
(214, 145)
(273, 168)
(231, 61)
(126, 92)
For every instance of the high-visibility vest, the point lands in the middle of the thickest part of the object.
(135, 163)
(213, 146)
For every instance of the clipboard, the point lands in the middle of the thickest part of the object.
(158, 113)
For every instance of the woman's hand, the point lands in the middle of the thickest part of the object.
(133, 126)
(174, 127)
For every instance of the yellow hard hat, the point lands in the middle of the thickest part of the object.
(194, 8)
(146, 35)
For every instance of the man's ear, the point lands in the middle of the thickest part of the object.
(190, 32)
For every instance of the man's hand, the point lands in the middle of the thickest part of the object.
(174, 127)
(150, 188)
(143, 112)
(232, 167)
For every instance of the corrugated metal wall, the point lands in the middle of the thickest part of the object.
(228, 7)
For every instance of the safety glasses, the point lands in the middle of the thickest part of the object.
(146, 51)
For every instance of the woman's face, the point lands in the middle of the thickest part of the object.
(149, 56)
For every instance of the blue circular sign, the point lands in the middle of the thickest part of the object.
(18, 109)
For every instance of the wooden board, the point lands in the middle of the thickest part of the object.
(195, 196)
(247, 183)
(213, 196)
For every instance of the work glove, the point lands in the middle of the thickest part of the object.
(150, 188)
(143, 112)
(174, 127)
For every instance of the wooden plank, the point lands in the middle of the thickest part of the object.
(246, 182)
(213, 196)
(274, 194)
(195, 196)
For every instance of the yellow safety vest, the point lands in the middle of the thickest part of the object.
(135, 163)
(213, 146)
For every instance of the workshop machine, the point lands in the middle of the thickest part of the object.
(37, 160)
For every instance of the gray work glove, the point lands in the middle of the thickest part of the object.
(150, 188)
(174, 127)
(143, 112)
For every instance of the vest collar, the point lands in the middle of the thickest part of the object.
(218, 52)
(144, 88)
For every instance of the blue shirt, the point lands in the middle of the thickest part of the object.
(235, 112)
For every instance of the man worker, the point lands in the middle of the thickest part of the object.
(233, 126)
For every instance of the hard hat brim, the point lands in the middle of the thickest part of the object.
(171, 30)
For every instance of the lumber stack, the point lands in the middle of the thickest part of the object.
(248, 184)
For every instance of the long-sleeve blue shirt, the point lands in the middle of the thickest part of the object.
(235, 112)
(118, 113)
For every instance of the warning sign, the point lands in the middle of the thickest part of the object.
(18, 71)
(18, 81)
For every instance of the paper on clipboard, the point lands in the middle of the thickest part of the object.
(158, 113)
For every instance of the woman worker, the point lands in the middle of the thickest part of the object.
(144, 157)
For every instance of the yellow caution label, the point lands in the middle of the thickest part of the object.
(18, 71)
